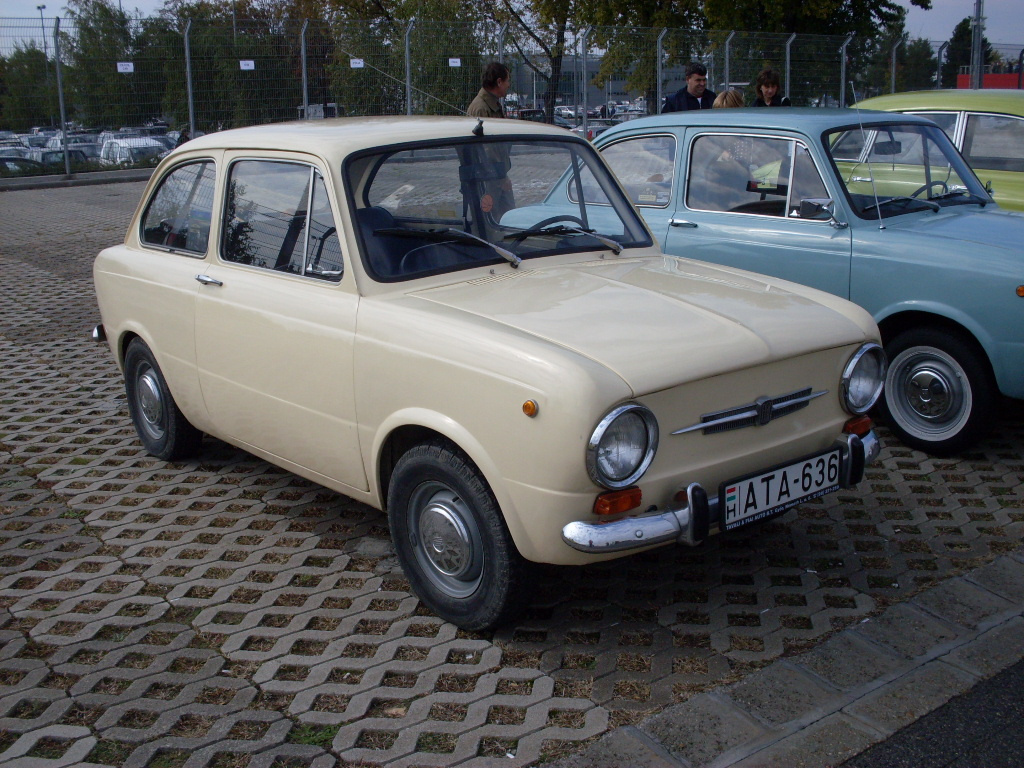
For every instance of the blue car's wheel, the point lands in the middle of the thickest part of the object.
(940, 394)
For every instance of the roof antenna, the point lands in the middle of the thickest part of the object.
(867, 157)
(479, 129)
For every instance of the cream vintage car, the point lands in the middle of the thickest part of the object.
(384, 306)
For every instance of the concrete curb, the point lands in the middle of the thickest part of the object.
(74, 179)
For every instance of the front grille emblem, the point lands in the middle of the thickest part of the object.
(756, 414)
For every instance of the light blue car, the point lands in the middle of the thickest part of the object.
(875, 207)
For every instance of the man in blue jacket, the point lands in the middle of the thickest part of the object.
(695, 95)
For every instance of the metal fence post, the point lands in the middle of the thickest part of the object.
(661, 75)
(893, 57)
(188, 81)
(728, 42)
(842, 71)
(938, 66)
(60, 96)
(789, 43)
(408, 67)
(583, 43)
(501, 42)
(305, 81)
(1020, 69)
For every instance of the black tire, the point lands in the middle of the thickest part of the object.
(161, 426)
(472, 574)
(940, 394)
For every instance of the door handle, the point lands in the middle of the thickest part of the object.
(207, 280)
(682, 223)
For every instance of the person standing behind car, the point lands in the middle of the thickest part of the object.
(728, 99)
(495, 84)
(768, 84)
(695, 95)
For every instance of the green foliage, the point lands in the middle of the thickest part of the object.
(958, 53)
(27, 91)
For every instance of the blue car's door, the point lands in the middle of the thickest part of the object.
(737, 201)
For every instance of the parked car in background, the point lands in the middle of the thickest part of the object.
(53, 159)
(871, 206)
(134, 151)
(20, 166)
(537, 116)
(87, 143)
(987, 126)
(595, 127)
(565, 112)
(390, 307)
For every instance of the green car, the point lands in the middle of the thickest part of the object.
(987, 126)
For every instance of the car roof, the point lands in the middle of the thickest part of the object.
(809, 120)
(981, 100)
(343, 135)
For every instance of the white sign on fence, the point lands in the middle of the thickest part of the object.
(125, 67)
(454, 62)
(356, 63)
(247, 64)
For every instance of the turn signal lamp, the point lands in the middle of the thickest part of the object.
(859, 425)
(617, 502)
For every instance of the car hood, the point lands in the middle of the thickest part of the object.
(659, 322)
(988, 227)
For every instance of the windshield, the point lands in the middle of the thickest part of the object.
(443, 207)
(890, 170)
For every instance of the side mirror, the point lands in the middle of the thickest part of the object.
(988, 187)
(815, 208)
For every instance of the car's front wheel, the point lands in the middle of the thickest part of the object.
(451, 538)
(161, 426)
(939, 391)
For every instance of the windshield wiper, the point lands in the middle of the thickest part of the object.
(561, 229)
(458, 235)
(959, 193)
(902, 199)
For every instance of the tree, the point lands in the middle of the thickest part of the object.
(24, 98)
(918, 67)
(958, 53)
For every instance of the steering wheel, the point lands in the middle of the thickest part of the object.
(927, 188)
(555, 219)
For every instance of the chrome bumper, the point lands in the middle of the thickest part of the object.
(689, 523)
(98, 334)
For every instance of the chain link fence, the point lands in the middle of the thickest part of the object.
(113, 72)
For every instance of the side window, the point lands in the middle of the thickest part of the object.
(739, 174)
(178, 215)
(645, 166)
(994, 143)
(267, 221)
(945, 120)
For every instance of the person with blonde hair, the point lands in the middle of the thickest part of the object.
(726, 99)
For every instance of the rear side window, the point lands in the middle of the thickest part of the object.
(994, 143)
(178, 215)
(277, 216)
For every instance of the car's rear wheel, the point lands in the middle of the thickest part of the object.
(161, 426)
(451, 538)
(940, 394)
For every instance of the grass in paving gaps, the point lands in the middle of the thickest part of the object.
(314, 735)
(109, 752)
(437, 743)
(493, 746)
(49, 748)
(169, 758)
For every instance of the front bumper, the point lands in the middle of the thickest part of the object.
(690, 523)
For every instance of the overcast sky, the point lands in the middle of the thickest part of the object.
(1004, 18)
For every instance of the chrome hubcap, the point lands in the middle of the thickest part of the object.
(446, 540)
(151, 405)
(929, 393)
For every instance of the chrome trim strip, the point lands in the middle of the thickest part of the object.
(749, 413)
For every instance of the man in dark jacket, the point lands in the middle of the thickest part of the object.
(695, 95)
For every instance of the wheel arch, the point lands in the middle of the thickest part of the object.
(895, 324)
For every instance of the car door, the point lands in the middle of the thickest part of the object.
(276, 318)
(993, 146)
(740, 205)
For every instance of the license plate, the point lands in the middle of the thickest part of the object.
(756, 497)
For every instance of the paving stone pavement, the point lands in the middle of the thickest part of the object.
(223, 612)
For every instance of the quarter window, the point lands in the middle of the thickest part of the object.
(645, 166)
(178, 216)
(278, 216)
(994, 143)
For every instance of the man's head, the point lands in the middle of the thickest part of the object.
(696, 79)
(496, 79)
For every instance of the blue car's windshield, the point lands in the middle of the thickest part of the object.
(889, 170)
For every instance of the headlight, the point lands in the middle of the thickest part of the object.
(622, 446)
(863, 378)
